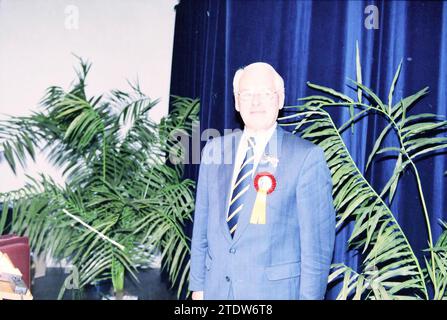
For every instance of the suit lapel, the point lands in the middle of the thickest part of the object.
(226, 172)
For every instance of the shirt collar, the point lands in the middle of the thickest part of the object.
(261, 138)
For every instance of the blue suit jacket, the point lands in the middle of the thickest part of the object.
(288, 257)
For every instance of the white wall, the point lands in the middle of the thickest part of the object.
(124, 40)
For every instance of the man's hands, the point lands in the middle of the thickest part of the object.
(197, 295)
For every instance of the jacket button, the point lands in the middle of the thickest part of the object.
(227, 278)
(232, 250)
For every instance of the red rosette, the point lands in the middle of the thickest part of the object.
(268, 181)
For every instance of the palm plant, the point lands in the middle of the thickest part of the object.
(390, 269)
(120, 192)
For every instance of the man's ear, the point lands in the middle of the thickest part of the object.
(236, 103)
(281, 97)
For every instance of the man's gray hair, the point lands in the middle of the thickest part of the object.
(278, 80)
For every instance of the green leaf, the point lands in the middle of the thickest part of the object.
(393, 84)
(371, 94)
(384, 150)
(395, 178)
(358, 72)
(4, 216)
(330, 91)
(377, 145)
(402, 106)
(421, 127)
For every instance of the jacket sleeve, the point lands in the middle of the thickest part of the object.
(199, 242)
(316, 216)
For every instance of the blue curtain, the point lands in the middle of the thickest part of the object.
(315, 41)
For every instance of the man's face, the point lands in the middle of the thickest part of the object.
(259, 103)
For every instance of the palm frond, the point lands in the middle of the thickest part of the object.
(376, 233)
(375, 226)
(117, 184)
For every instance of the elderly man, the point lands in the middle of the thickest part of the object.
(264, 225)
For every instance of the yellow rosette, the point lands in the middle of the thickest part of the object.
(264, 184)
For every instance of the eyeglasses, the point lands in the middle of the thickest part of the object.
(247, 96)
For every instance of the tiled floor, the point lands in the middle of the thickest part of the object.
(152, 286)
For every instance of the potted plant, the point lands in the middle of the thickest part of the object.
(120, 193)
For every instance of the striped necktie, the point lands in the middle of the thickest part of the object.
(240, 187)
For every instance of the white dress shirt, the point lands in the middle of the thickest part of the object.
(261, 140)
